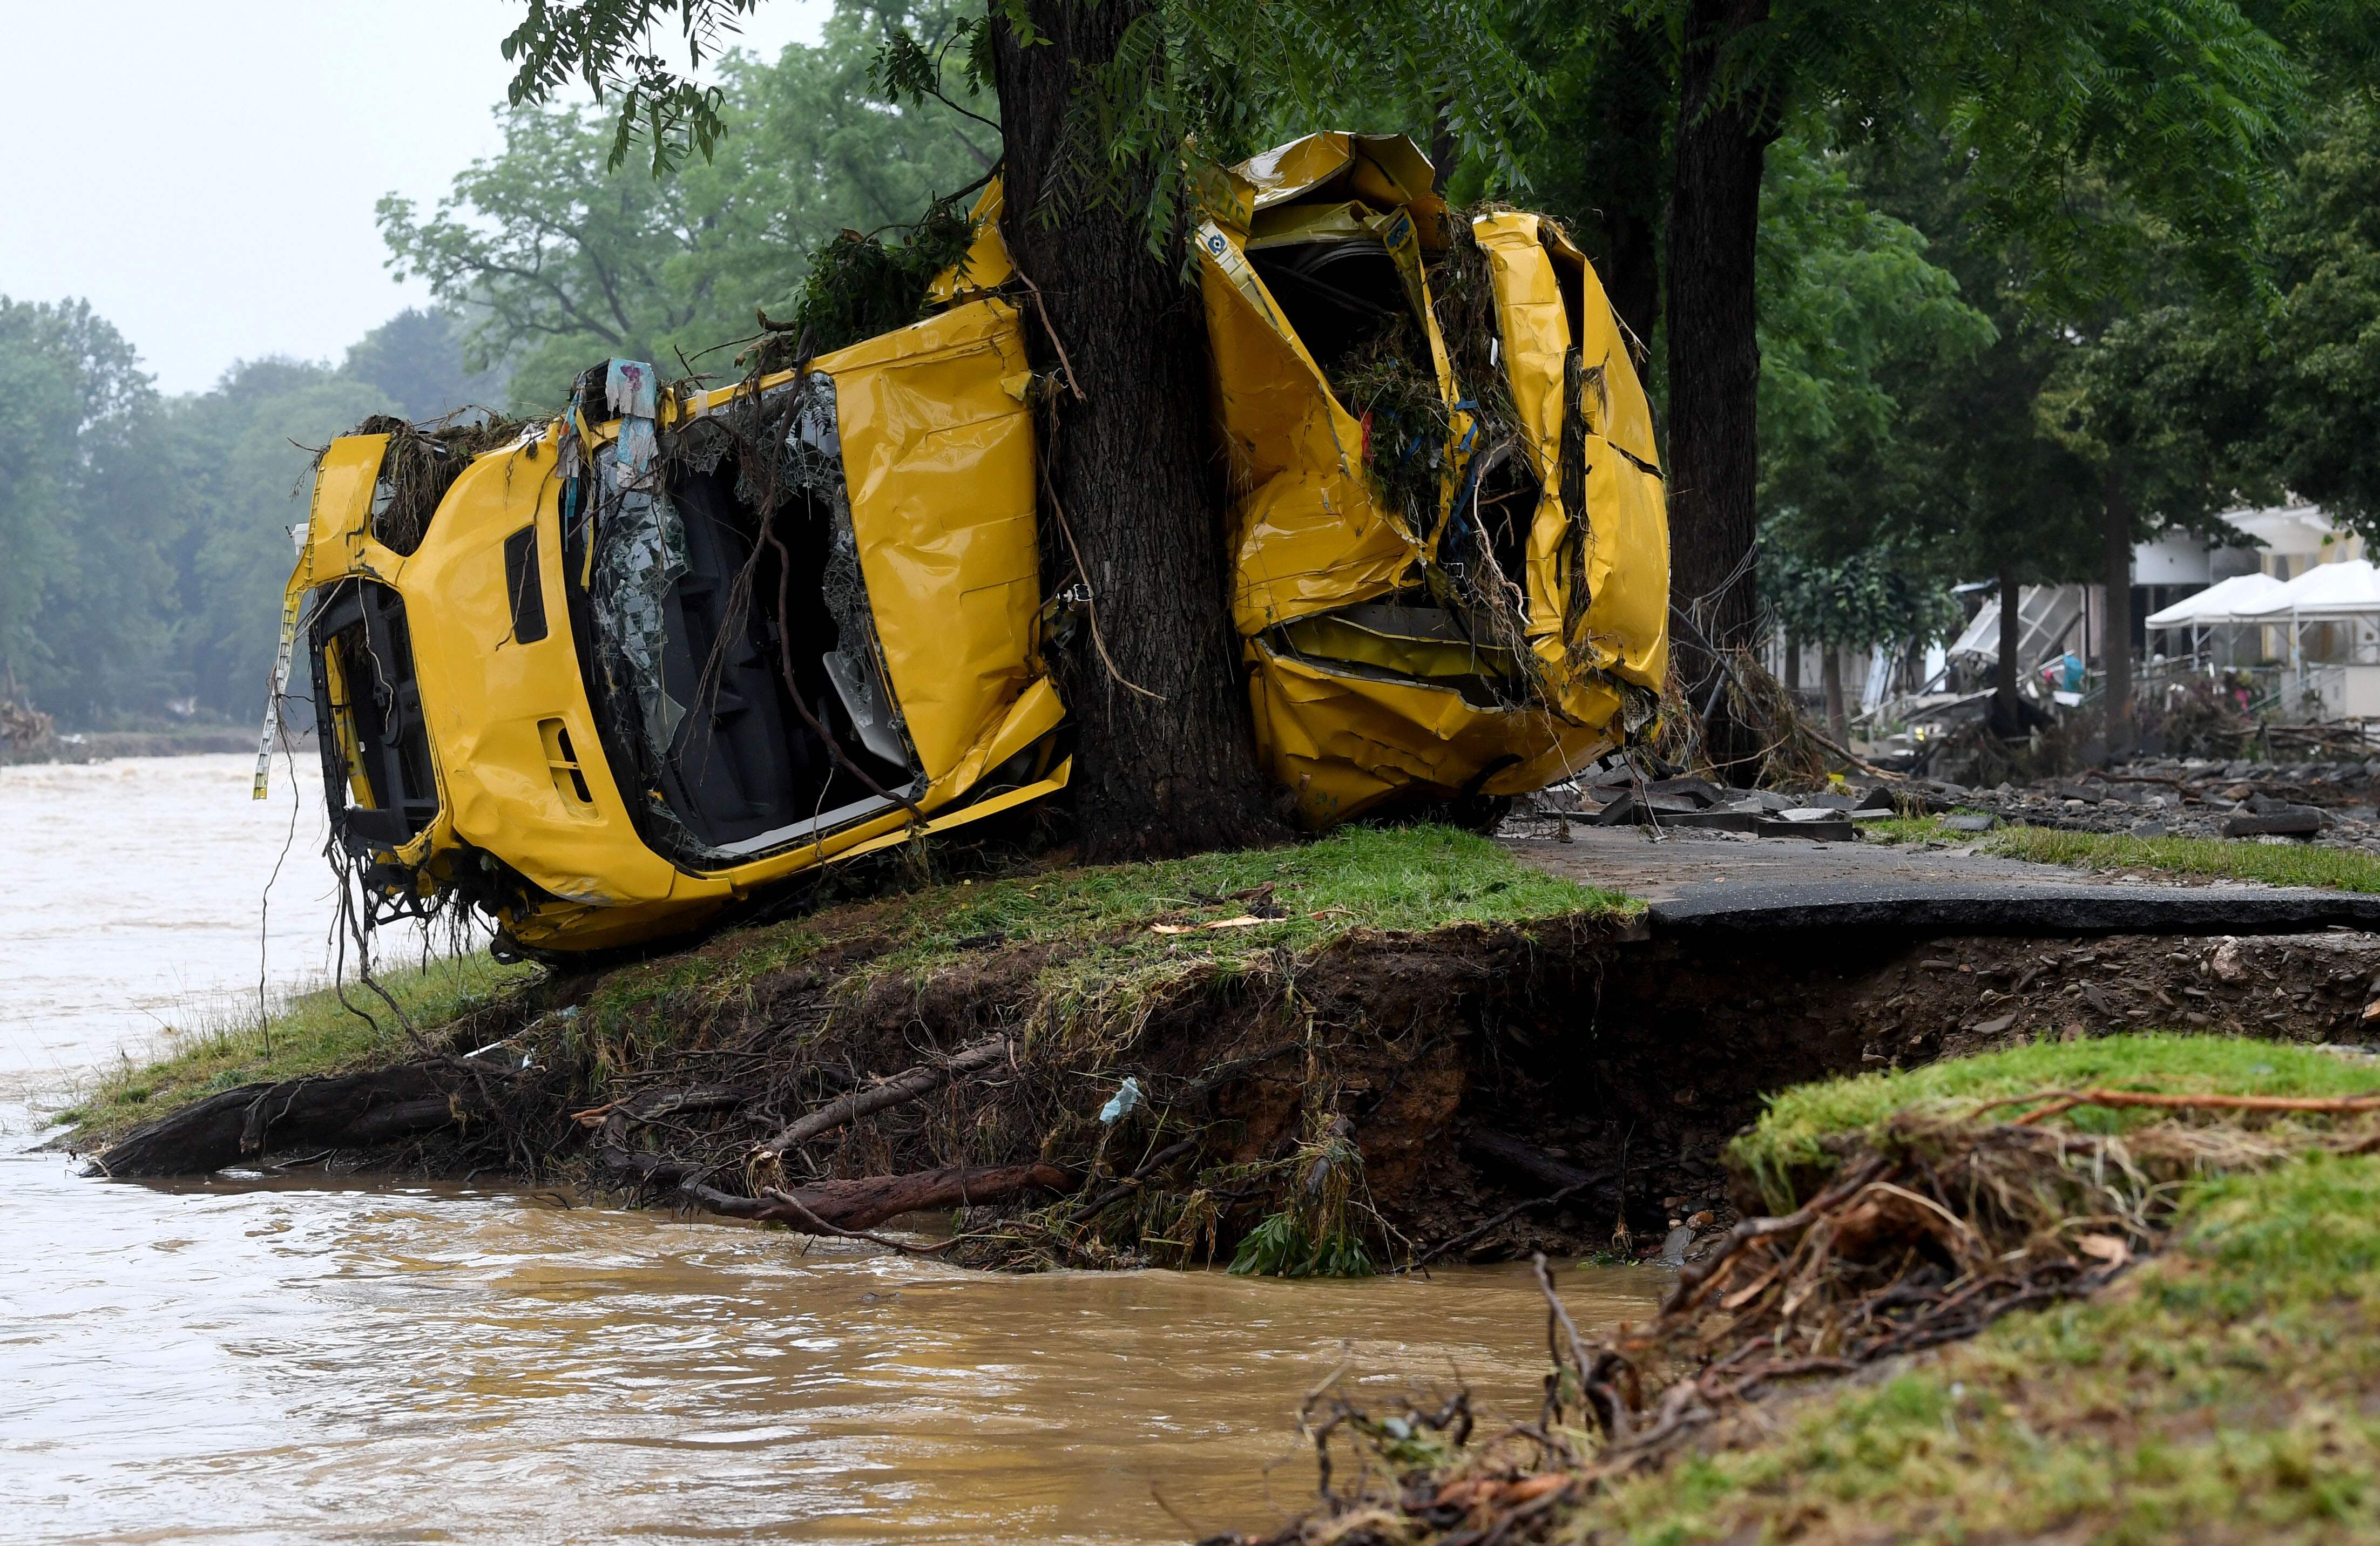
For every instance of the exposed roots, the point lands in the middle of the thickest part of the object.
(1930, 1228)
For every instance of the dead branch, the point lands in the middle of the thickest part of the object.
(855, 1205)
(902, 1088)
(2067, 1100)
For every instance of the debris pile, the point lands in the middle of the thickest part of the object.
(26, 732)
(1916, 1232)
(2335, 802)
(422, 461)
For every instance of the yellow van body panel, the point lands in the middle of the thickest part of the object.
(939, 453)
(1348, 714)
(938, 450)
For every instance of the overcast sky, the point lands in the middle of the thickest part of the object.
(205, 174)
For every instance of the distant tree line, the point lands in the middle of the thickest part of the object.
(144, 537)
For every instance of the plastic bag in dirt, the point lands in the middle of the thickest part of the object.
(1123, 1104)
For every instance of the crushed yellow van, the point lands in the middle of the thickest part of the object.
(560, 693)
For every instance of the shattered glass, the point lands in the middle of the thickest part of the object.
(813, 465)
(639, 558)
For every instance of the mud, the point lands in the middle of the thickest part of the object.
(1506, 1090)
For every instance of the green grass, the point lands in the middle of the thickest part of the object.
(1791, 1134)
(2222, 1392)
(1097, 924)
(313, 1033)
(2287, 863)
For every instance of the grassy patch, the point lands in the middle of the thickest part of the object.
(313, 1033)
(2282, 863)
(2220, 1394)
(1791, 1134)
(1102, 924)
(1910, 830)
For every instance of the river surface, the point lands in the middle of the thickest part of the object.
(134, 901)
(248, 1360)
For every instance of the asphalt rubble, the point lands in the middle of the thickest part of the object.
(2329, 803)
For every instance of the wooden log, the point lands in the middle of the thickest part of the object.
(346, 1111)
(869, 1201)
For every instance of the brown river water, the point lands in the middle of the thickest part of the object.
(258, 1360)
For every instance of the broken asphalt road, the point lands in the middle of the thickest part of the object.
(1709, 885)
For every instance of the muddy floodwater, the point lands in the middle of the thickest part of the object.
(132, 901)
(253, 1360)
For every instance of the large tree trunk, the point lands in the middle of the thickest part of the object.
(1163, 759)
(1715, 362)
(2006, 711)
(1634, 105)
(2116, 508)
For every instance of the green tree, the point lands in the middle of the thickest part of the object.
(1881, 595)
(242, 472)
(2181, 104)
(566, 258)
(417, 358)
(85, 595)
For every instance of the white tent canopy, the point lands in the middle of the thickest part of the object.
(2225, 602)
(2328, 590)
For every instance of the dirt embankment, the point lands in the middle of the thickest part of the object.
(1480, 1091)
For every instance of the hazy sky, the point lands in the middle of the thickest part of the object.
(205, 174)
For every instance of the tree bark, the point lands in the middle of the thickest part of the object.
(2004, 681)
(2117, 505)
(1831, 672)
(1635, 112)
(1793, 667)
(345, 1111)
(1132, 505)
(1715, 362)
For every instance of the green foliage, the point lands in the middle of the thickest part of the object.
(2183, 103)
(82, 629)
(416, 359)
(2218, 1394)
(565, 256)
(1847, 294)
(1099, 924)
(610, 45)
(1314, 1235)
(1192, 86)
(2323, 437)
(859, 286)
(1280, 1247)
(148, 537)
(2342, 869)
(1879, 595)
